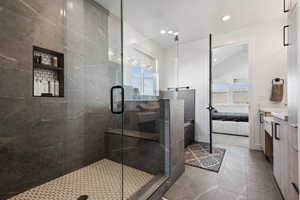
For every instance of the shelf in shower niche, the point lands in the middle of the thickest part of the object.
(49, 67)
(47, 73)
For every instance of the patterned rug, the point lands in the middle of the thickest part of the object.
(197, 155)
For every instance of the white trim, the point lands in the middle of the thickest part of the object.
(252, 111)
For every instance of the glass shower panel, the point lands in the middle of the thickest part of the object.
(146, 163)
(58, 62)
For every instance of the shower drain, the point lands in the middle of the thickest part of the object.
(83, 197)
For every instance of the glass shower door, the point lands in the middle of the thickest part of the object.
(147, 51)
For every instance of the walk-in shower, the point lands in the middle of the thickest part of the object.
(80, 113)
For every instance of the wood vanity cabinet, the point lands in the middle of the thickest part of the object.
(280, 156)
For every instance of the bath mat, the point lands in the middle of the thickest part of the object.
(197, 155)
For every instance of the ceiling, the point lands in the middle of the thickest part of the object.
(193, 19)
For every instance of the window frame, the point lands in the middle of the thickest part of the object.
(154, 75)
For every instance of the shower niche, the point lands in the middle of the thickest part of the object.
(48, 73)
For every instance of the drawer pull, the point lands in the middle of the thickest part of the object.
(276, 131)
(285, 9)
(295, 187)
(285, 43)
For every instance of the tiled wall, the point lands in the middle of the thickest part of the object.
(43, 138)
(174, 123)
(145, 147)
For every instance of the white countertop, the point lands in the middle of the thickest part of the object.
(268, 119)
(280, 115)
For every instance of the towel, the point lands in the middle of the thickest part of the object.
(277, 92)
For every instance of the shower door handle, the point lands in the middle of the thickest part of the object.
(112, 105)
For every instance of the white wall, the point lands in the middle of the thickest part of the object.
(233, 67)
(267, 60)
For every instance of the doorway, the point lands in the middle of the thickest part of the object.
(230, 95)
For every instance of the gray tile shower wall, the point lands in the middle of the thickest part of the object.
(43, 138)
(143, 145)
(174, 124)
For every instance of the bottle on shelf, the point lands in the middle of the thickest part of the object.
(44, 86)
(54, 61)
(52, 89)
(56, 88)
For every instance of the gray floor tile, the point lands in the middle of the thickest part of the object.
(244, 175)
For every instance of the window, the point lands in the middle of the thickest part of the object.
(149, 83)
(240, 92)
(143, 80)
(231, 93)
(142, 75)
(136, 78)
(139, 73)
(221, 93)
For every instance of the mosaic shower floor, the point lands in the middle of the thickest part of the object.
(100, 181)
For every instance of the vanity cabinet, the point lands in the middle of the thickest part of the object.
(293, 103)
(293, 185)
(280, 155)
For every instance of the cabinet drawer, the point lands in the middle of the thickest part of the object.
(293, 137)
(293, 168)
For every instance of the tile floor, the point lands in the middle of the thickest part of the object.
(244, 175)
(230, 140)
(100, 181)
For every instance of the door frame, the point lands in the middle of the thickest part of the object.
(254, 137)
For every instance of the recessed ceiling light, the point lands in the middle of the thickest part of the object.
(163, 32)
(176, 33)
(226, 18)
(170, 32)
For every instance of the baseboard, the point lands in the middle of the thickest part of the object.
(256, 147)
(199, 139)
